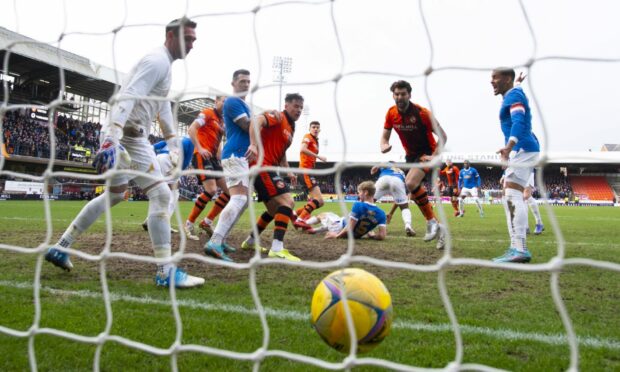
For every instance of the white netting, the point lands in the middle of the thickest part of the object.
(553, 267)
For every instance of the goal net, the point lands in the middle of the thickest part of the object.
(342, 57)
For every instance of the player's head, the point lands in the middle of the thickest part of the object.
(449, 163)
(466, 164)
(294, 105)
(173, 37)
(366, 190)
(502, 80)
(219, 103)
(315, 128)
(241, 82)
(401, 92)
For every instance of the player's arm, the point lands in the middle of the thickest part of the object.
(478, 180)
(519, 127)
(192, 132)
(342, 233)
(391, 213)
(290, 175)
(441, 134)
(260, 122)
(385, 140)
(379, 235)
(304, 150)
(457, 178)
(460, 183)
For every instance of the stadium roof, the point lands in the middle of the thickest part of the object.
(33, 60)
(611, 147)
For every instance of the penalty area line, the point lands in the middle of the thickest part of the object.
(499, 334)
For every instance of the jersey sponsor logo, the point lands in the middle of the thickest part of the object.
(280, 184)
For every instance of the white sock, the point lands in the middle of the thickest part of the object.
(508, 210)
(159, 222)
(461, 202)
(535, 210)
(230, 214)
(277, 245)
(312, 220)
(406, 215)
(174, 199)
(519, 220)
(208, 221)
(479, 204)
(87, 216)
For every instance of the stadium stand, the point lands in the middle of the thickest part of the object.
(594, 187)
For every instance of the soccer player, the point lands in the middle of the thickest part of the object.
(307, 158)
(124, 145)
(469, 185)
(529, 199)
(235, 156)
(516, 124)
(414, 125)
(166, 166)
(329, 221)
(451, 175)
(365, 216)
(392, 181)
(206, 133)
(276, 135)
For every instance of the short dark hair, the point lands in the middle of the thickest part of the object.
(176, 24)
(290, 97)
(241, 71)
(400, 84)
(314, 122)
(506, 71)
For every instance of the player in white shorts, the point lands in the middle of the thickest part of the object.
(469, 184)
(329, 222)
(392, 182)
(124, 145)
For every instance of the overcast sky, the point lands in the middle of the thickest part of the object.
(385, 40)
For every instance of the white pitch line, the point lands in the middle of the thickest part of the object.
(500, 334)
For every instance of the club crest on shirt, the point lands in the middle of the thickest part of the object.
(280, 184)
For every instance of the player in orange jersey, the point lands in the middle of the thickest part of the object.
(206, 134)
(451, 175)
(307, 159)
(414, 126)
(276, 135)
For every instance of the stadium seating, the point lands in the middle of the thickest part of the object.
(595, 187)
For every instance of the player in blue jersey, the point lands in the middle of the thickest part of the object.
(365, 216)
(469, 185)
(167, 162)
(392, 182)
(235, 156)
(516, 124)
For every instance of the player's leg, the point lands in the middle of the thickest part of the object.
(251, 242)
(533, 204)
(315, 196)
(453, 192)
(201, 200)
(220, 203)
(414, 179)
(283, 215)
(461, 199)
(174, 200)
(87, 216)
(237, 183)
(399, 192)
(474, 194)
(516, 179)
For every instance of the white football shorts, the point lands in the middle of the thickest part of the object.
(518, 173)
(390, 185)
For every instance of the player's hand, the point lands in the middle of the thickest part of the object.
(293, 178)
(252, 153)
(331, 235)
(322, 158)
(504, 152)
(520, 78)
(175, 157)
(371, 235)
(374, 170)
(110, 152)
(276, 115)
(204, 153)
(385, 147)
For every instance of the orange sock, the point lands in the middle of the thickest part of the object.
(219, 204)
(420, 197)
(306, 211)
(455, 205)
(201, 203)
